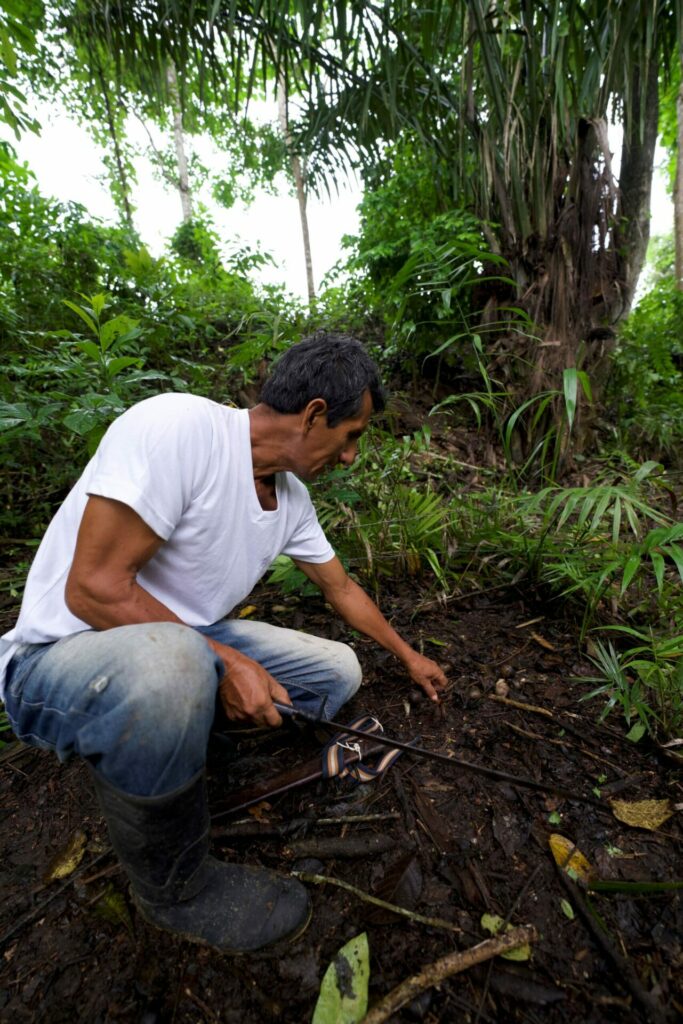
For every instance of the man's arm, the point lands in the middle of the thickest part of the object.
(360, 612)
(102, 589)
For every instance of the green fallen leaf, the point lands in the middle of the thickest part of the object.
(493, 923)
(112, 907)
(555, 818)
(567, 909)
(636, 732)
(343, 995)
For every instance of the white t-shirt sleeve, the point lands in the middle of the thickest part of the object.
(153, 459)
(308, 543)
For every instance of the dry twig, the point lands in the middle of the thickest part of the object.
(452, 963)
(432, 922)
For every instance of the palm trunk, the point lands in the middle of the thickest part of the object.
(179, 142)
(635, 184)
(299, 183)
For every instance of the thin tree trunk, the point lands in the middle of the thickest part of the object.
(179, 142)
(297, 171)
(678, 187)
(124, 185)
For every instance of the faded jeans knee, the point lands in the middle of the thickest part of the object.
(349, 672)
(137, 702)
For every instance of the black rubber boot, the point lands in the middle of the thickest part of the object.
(162, 844)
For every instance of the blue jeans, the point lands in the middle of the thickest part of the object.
(138, 702)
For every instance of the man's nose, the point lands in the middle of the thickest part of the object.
(348, 454)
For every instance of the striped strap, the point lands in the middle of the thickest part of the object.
(333, 754)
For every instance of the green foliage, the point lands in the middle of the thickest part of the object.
(668, 115)
(547, 436)
(417, 263)
(386, 521)
(646, 390)
(20, 22)
(645, 681)
(90, 323)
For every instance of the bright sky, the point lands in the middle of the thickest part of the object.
(68, 165)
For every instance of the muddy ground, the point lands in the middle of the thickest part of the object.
(445, 842)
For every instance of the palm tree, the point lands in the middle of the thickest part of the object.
(514, 98)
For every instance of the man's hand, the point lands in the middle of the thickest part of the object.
(247, 691)
(426, 674)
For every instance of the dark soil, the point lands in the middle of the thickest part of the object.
(461, 845)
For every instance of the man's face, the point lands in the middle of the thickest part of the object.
(325, 447)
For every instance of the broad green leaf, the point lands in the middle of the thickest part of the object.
(81, 421)
(98, 302)
(343, 995)
(85, 317)
(636, 732)
(91, 349)
(119, 329)
(115, 366)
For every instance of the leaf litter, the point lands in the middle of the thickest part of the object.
(474, 847)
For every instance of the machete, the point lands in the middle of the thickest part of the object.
(516, 780)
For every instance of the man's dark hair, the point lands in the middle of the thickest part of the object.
(328, 365)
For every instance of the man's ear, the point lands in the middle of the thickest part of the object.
(316, 408)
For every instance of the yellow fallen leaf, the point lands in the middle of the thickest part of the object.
(648, 814)
(248, 610)
(67, 860)
(569, 858)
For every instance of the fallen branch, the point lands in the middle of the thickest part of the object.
(452, 963)
(347, 847)
(432, 922)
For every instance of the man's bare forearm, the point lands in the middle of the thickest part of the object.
(360, 612)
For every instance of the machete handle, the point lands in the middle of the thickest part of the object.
(287, 711)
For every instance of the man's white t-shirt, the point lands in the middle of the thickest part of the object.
(184, 464)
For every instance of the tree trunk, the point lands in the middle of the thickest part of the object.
(298, 174)
(632, 233)
(678, 186)
(179, 142)
(124, 203)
